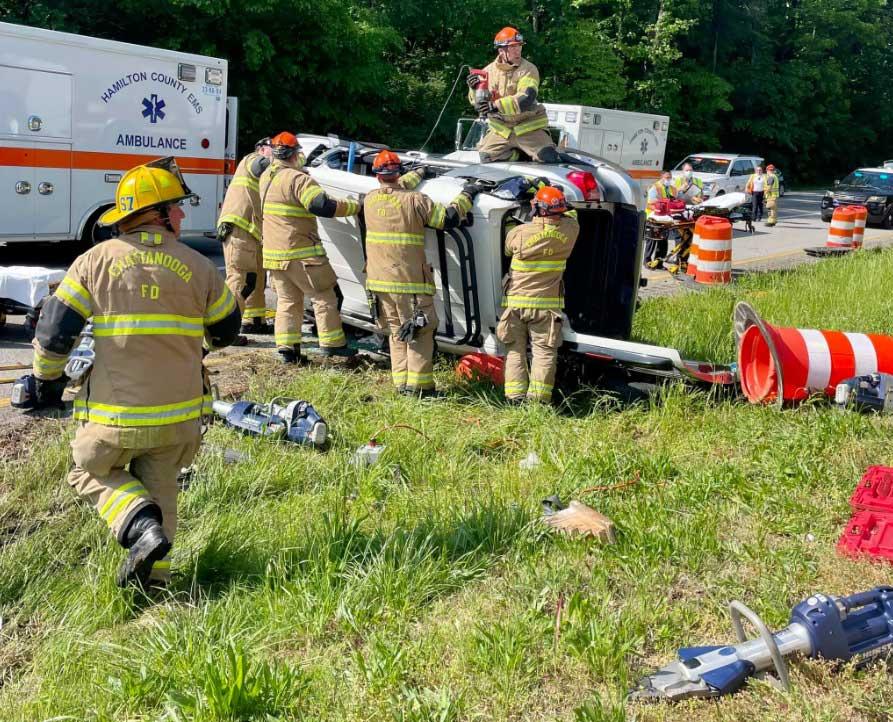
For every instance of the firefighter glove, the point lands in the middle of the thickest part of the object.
(223, 231)
(407, 330)
(473, 80)
(471, 189)
(483, 107)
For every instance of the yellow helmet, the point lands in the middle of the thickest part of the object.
(153, 184)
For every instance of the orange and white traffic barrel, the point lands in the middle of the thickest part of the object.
(859, 225)
(840, 234)
(692, 267)
(714, 250)
(789, 364)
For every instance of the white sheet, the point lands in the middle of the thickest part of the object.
(28, 285)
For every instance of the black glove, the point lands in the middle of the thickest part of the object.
(30, 392)
(483, 107)
(473, 80)
(223, 231)
(471, 189)
(406, 332)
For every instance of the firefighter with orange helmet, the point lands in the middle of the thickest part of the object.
(399, 280)
(153, 301)
(293, 253)
(534, 296)
(239, 230)
(516, 120)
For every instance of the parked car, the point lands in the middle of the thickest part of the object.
(721, 172)
(869, 187)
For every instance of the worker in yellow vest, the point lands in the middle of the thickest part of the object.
(772, 193)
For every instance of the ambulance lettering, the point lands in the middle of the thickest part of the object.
(129, 140)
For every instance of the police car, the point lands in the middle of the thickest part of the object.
(869, 187)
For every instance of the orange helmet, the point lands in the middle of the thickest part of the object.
(508, 36)
(770, 167)
(386, 163)
(285, 145)
(549, 201)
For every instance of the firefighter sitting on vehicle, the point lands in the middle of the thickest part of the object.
(239, 230)
(294, 254)
(534, 295)
(152, 301)
(516, 120)
(399, 281)
(656, 248)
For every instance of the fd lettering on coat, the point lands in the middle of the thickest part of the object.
(150, 258)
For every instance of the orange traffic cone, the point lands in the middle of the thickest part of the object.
(789, 364)
(481, 366)
(859, 225)
(692, 269)
(840, 232)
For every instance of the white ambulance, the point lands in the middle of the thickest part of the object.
(637, 142)
(77, 112)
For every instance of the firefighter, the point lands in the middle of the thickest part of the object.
(655, 243)
(239, 230)
(291, 201)
(534, 296)
(772, 193)
(152, 301)
(516, 120)
(688, 187)
(399, 281)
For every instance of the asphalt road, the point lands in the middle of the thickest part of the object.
(799, 226)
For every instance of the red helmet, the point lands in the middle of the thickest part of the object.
(508, 36)
(386, 163)
(549, 201)
(285, 145)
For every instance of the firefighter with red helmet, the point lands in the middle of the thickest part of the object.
(293, 253)
(534, 296)
(516, 120)
(399, 280)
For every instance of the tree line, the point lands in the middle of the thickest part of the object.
(808, 84)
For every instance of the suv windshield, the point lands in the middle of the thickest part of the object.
(700, 164)
(869, 179)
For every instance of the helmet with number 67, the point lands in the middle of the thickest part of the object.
(154, 185)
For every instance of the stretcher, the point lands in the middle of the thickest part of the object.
(23, 290)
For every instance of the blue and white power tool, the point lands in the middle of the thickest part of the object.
(283, 418)
(830, 628)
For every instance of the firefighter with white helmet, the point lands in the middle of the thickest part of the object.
(399, 280)
(516, 120)
(534, 296)
(293, 252)
(152, 301)
(239, 230)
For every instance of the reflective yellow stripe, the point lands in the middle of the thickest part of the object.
(147, 324)
(150, 239)
(221, 308)
(398, 287)
(260, 312)
(516, 386)
(244, 181)
(332, 338)
(395, 239)
(531, 125)
(410, 180)
(399, 378)
(348, 207)
(75, 295)
(114, 415)
(502, 130)
(528, 81)
(463, 203)
(243, 223)
(518, 265)
(288, 339)
(293, 254)
(416, 379)
(540, 386)
(508, 105)
(540, 391)
(438, 216)
(288, 210)
(124, 502)
(118, 493)
(161, 565)
(515, 301)
(47, 367)
(309, 193)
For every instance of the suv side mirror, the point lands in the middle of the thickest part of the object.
(836, 182)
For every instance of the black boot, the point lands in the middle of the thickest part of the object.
(147, 543)
(291, 355)
(257, 326)
(332, 351)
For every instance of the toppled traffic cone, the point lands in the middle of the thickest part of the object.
(481, 367)
(577, 518)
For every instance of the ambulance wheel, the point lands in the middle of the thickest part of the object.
(94, 233)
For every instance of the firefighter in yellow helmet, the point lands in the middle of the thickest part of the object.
(152, 301)
(239, 230)
(516, 120)
(534, 297)
(399, 281)
(294, 254)
(772, 193)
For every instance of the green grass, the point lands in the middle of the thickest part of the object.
(424, 589)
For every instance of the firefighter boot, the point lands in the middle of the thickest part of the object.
(257, 326)
(333, 351)
(147, 543)
(291, 355)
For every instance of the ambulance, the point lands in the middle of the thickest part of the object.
(77, 112)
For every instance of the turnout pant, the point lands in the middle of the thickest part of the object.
(543, 329)
(493, 147)
(772, 209)
(243, 254)
(758, 205)
(118, 477)
(412, 364)
(315, 278)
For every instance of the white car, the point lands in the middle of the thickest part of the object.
(721, 173)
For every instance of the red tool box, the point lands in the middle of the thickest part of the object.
(870, 529)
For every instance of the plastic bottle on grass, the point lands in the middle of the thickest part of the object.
(368, 454)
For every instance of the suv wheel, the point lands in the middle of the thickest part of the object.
(888, 221)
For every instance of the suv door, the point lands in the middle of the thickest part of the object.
(740, 172)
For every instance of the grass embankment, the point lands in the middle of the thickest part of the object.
(423, 588)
